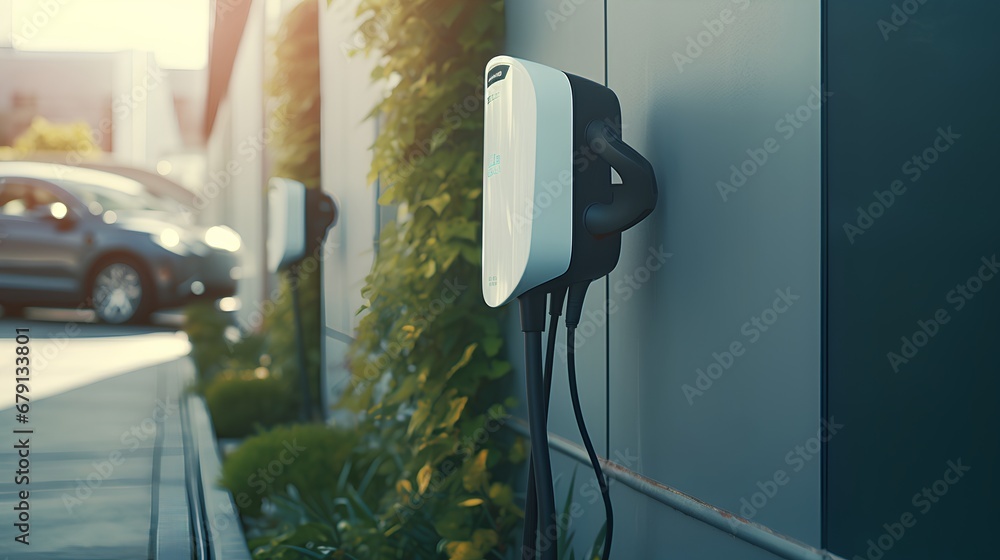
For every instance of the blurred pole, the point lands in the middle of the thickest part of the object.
(305, 410)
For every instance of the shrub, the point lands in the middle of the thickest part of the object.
(309, 457)
(46, 137)
(242, 404)
(205, 327)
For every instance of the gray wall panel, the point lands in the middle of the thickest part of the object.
(693, 118)
(538, 30)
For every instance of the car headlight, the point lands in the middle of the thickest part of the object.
(223, 238)
(169, 239)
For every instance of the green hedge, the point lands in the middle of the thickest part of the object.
(240, 405)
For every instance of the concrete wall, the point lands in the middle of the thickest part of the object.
(236, 168)
(703, 265)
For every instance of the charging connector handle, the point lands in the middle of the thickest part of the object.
(635, 198)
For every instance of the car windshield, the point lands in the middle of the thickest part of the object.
(100, 199)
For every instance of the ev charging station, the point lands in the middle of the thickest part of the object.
(551, 227)
(298, 220)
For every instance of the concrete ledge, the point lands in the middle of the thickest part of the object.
(220, 518)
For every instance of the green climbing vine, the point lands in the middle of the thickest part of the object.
(428, 376)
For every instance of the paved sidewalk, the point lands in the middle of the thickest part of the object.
(104, 465)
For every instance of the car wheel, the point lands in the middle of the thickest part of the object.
(120, 293)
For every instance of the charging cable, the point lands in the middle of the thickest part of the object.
(539, 511)
(532, 306)
(530, 533)
(574, 309)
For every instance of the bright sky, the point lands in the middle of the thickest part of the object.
(176, 31)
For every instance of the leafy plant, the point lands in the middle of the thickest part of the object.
(299, 539)
(321, 526)
(566, 536)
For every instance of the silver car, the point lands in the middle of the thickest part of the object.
(80, 237)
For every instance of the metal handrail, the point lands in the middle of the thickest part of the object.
(748, 531)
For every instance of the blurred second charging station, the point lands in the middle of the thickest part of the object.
(298, 219)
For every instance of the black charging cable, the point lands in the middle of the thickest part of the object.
(532, 307)
(574, 310)
(530, 532)
(540, 512)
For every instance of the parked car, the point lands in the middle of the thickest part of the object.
(71, 236)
